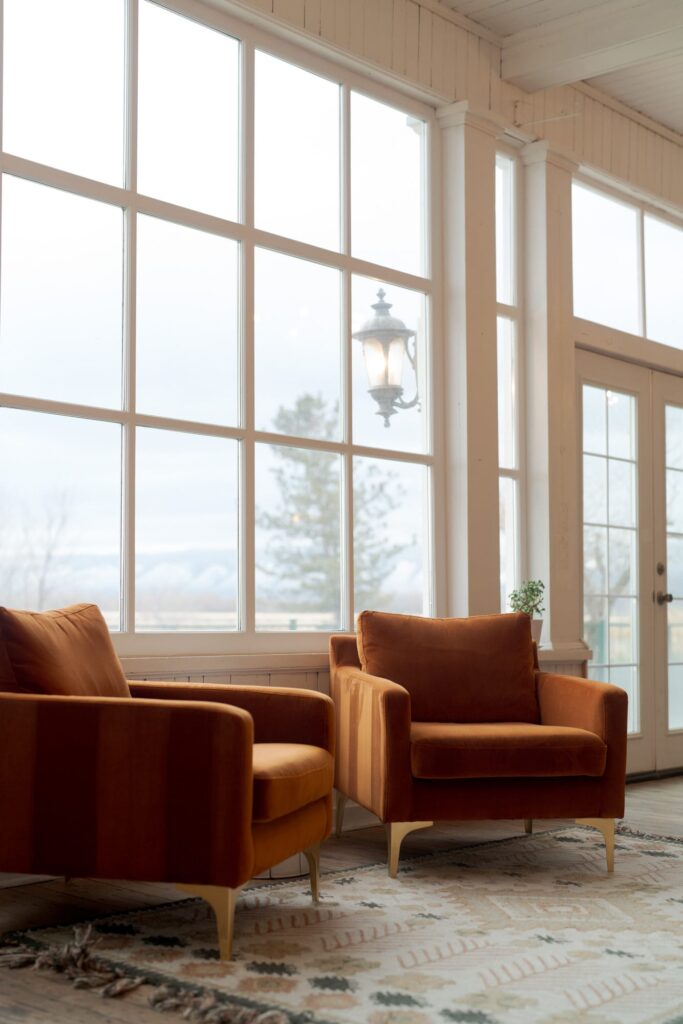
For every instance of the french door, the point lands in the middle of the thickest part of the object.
(632, 445)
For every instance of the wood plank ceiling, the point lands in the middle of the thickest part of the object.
(630, 49)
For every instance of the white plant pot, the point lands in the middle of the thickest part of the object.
(536, 630)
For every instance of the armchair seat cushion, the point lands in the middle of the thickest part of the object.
(440, 750)
(288, 776)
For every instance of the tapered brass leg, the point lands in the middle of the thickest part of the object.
(396, 833)
(222, 900)
(607, 827)
(312, 855)
(341, 806)
(528, 825)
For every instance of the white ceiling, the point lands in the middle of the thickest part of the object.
(630, 49)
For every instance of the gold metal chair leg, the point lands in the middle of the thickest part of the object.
(396, 833)
(222, 900)
(607, 827)
(341, 807)
(528, 825)
(312, 855)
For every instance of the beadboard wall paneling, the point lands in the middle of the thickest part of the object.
(436, 49)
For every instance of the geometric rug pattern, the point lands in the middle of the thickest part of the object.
(525, 930)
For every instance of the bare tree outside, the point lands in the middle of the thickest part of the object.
(30, 550)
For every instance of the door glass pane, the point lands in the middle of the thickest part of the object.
(62, 295)
(663, 291)
(390, 536)
(298, 539)
(186, 323)
(296, 153)
(605, 256)
(64, 84)
(188, 113)
(507, 490)
(505, 229)
(297, 319)
(610, 539)
(674, 561)
(384, 375)
(60, 512)
(185, 532)
(387, 207)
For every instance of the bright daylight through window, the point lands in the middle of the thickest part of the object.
(214, 327)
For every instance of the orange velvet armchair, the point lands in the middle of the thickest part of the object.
(451, 720)
(201, 785)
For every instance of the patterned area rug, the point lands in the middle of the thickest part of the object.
(517, 931)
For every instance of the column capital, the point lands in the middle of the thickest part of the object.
(541, 152)
(464, 114)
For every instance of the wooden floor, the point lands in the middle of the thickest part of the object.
(28, 997)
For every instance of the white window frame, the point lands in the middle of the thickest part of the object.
(515, 313)
(251, 37)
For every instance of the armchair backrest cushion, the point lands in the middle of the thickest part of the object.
(66, 652)
(478, 669)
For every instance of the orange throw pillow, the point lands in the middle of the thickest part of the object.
(478, 669)
(64, 652)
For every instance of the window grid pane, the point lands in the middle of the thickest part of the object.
(188, 324)
(610, 538)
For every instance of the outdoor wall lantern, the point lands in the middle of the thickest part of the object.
(385, 341)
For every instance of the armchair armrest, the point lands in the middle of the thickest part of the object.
(582, 703)
(600, 708)
(281, 714)
(373, 742)
(123, 788)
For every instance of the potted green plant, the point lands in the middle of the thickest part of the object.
(528, 598)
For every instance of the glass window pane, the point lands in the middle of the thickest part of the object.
(623, 578)
(383, 372)
(297, 320)
(674, 570)
(186, 323)
(60, 512)
(621, 425)
(675, 633)
(298, 539)
(605, 257)
(185, 532)
(387, 204)
(505, 229)
(674, 436)
(623, 641)
(188, 112)
(507, 395)
(622, 493)
(594, 420)
(595, 560)
(508, 539)
(390, 536)
(663, 290)
(676, 696)
(674, 500)
(61, 314)
(594, 489)
(627, 678)
(595, 629)
(64, 84)
(296, 145)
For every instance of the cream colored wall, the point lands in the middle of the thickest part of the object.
(427, 45)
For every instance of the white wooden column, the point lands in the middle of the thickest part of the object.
(554, 521)
(470, 392)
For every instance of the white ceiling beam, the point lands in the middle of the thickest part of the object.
(612, 35)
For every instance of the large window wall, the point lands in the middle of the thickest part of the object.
(189, 244)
